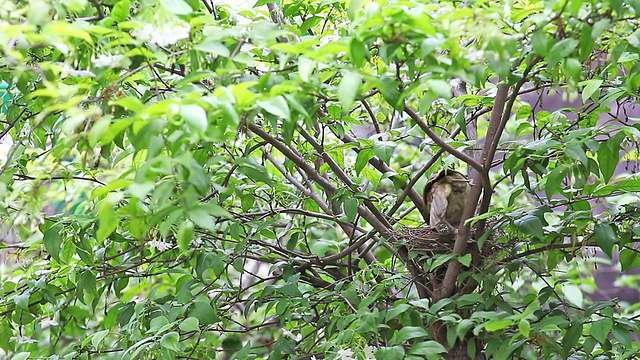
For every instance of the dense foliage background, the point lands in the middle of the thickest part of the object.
(181, 180)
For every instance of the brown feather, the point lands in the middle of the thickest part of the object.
(445, 196)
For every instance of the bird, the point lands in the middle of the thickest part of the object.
(445, 196)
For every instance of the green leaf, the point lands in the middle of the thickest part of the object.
(427, 348)
(408, 333)
(290, 290)
(22, 300)
(348, 89)
(201, 217)
(190, 324)
(97, 338)
(465, 260)
(247, 201)
(195, 116)
(571, 337)
(540, 43)
(255, 172)
(384, 150)
(86, 285)
(609, 155)
(600, 329)
(629, 259)
(203, 311)
(310, 23)
(158, 324)
(561, 50)
(170, 341)
(185, 235)
(630, 185)
(622, 335)
(590, 88)
(21, 355)
(213, 47)
(498, 324)
(576, 152)
(52, 241)
(439, 88)
(524, 327)
(178, 7)
(141, 190)
(354, 7)
(605, 237)
(120, 11)
(573, 69)
(357, 52)
(554, 179)
(395, 311)
(530, 224)
(363, 159)
(305, 68)
(276, 106)
(108, 220)
(350, 206)
(61, 28)
(389, 90)
(390, 353)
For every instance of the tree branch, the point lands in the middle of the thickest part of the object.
(380, 227)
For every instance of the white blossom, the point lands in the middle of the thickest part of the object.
(289, 334)
(164, 35)
(160, 245)
(144, 33)
(22, 339)
(345, 354)
(68, 70)
(475, 56)
(48, 322)
(369, 352)
(110, 61)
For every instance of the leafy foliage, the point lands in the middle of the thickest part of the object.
(186, 181)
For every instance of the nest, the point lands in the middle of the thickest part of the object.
(440, 241)
(415, 244)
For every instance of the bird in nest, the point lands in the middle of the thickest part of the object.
(445, 196)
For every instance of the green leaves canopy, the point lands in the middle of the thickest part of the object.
(183, 180)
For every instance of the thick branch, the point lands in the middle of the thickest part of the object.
(459, 247)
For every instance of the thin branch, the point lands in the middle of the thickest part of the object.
(342, 176)
(27, 177)
(383, 229)
(372, 115)
(443, 144)
(12, 123)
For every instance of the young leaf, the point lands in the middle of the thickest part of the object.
(384, 150)
(52, 241)
(276, 106)
(600, 329)
(348, 89)
(605, 237)
(591, 86)
(609, 155)
(185, 235)
(178, 7)
(195, 116)
(530, 224)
